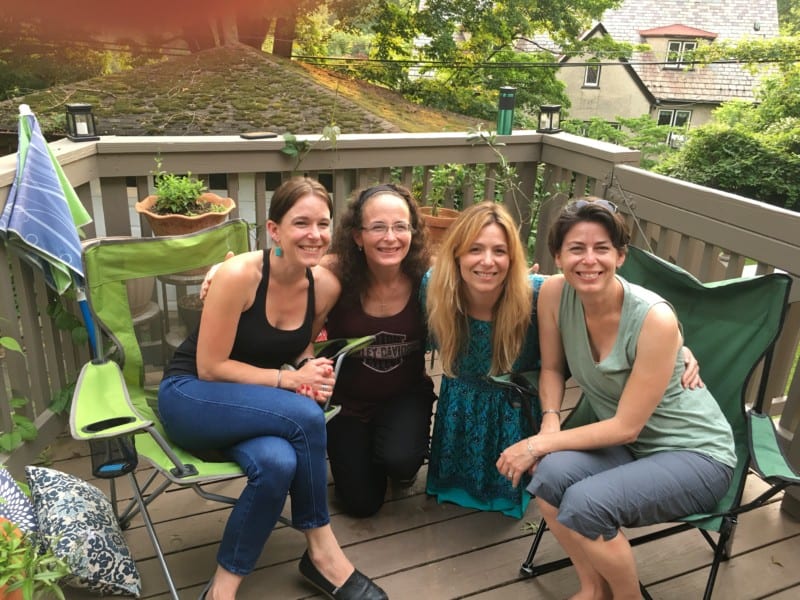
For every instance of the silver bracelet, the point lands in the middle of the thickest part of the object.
(280, 372)
(530, 448)
(551, 410)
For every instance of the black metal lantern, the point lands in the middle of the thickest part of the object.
(549, 118)
(80, 123)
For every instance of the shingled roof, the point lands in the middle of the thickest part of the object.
(229, 90)
(727, 20)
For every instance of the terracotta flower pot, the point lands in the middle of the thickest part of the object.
(438, 224)
(182, 224)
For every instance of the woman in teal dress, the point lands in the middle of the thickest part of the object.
(481, 313)
(481, 305)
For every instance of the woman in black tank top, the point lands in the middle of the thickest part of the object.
(225, 389)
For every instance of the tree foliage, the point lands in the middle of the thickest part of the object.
(641, 133)
(29, 63)
(456, 54)
(752, 150)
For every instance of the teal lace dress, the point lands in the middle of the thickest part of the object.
(475, 422)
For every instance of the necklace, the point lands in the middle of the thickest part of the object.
(383, 303)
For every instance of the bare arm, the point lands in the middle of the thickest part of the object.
(553, 361)
(658, 342)
(238, 279)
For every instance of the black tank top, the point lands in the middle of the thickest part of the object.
(257, 342)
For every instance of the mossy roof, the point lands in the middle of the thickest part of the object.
(229, 90)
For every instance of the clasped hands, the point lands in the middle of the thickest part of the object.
(314, 379)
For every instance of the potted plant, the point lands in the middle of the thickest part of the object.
(446, 180)
(182, 204)
(27, 571)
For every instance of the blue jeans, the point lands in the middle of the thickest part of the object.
(278, 439)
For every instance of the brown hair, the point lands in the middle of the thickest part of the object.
(290, 191)
(351, 264)
(590, 209)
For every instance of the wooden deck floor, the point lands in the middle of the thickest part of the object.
(419, 550)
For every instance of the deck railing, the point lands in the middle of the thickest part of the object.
(712, 234)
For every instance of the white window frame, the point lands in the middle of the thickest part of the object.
(589, 81)
(678, 117)
(676, 49)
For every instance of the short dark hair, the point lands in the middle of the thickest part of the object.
(584, 210)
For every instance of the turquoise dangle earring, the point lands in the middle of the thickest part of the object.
(278, 251)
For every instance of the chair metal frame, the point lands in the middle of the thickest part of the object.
(658, 275)
(125, 407)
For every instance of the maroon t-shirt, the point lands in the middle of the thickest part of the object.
(394, 365)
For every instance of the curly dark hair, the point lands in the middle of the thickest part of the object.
(351, 263)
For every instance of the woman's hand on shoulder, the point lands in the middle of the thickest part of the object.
(210, 276)
(240, 274)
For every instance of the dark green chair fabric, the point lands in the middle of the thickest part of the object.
(730, 326)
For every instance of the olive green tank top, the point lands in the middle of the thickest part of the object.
(683, 420)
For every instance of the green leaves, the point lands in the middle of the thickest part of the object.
(10, 343)
(25, 566)
(178, 194)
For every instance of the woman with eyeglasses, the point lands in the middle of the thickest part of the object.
(659, 451)
(226, 389)
(379, 254)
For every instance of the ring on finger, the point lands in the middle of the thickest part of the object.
(510, 474)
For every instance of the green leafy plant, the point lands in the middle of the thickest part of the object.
(299, 149)
(447, 181)
(22, 428)
(180, 194)
(26, 564)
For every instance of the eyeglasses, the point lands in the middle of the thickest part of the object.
(578, 204)
(398, 228)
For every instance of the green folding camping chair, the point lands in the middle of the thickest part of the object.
(114, 406)
(730, 326)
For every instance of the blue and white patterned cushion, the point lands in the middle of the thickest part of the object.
(78, 523)
(15, 506)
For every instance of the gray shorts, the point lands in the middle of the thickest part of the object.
(599, 491)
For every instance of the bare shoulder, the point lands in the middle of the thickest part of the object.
(552, 287)
(661, 319)
(241, 268)
(326, 283)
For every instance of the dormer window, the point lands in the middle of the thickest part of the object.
(676, 54)
(591, 77)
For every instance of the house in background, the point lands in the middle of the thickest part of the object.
(656, 81)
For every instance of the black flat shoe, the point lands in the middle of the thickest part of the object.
(357, 587)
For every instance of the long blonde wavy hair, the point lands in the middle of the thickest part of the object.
(447, 303)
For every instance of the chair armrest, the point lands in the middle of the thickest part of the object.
(525, 382)
(768, 458)
(101, 406)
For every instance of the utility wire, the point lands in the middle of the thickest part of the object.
(539, 65)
